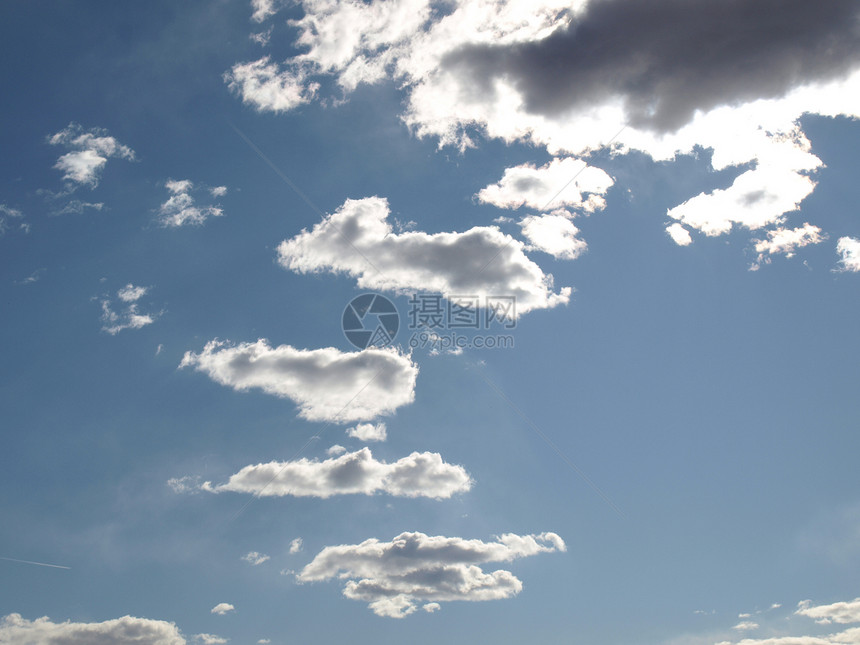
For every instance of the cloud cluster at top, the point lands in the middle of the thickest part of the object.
(326, 384)
(665, 77)
(88, 153)
(395, 577)
(358, 240)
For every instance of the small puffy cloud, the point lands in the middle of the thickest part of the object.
(554, 234)
(786, 241)
(129, 315)
(838, 612)
(89, 152)
(336, 449)
(326, 384)
(265, 9)
(209, 639)
(263, 85)
(180, 209)
(566, 182)
(418, 475)
(263, 641)
(746, 625)
(222, 608)
(431, 607)
(358, 240)
(254, 558)
(679, 234)
(395, 577)
(11, 217)
(296, 545)
(15, 630)
(849, 250)
(368, 432)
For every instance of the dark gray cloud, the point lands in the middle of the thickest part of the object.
(667, 58)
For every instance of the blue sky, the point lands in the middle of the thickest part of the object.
(192, 193)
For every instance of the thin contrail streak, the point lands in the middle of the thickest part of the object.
(38, 564)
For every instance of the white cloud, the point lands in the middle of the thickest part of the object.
(326, 384)
(89, 152)
(838, 612)
(130, 293)
(210, 639)
(296, 545)
(263, 641)
(266, 87)
(786, 241)
(431, 607)
(9, 215)
(538, 71)
(679, 234)
(418, 475)
(567, 182)
(265, 9)
(554, 234)
(222, 608)
(15, 630)
(746, 625)
(394, 577)
(358, 240)
(262, 38)
(368, 432)
(255, 558)
(849, 250)
(129, 315)
(180, 208)
(336, 449)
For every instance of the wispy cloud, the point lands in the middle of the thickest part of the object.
(181, 209)
(89, 151)
(128, 315)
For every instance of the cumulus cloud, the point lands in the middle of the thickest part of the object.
(222, 608)
(265, 86)
(785, 242)
(10, 216)
(129, 315)
(418, 475)
(746, 625)
(295, 546)
(679, 234)
(358, 240)
(664, 77)
(336, 449)
(255, 558)
(395, 577)
(554, 234)
(326, 384)
(838, 612)
(89, 151)
(180, 209)
(849, 250)
(15, 630)
(368, 432)
(566, 182)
